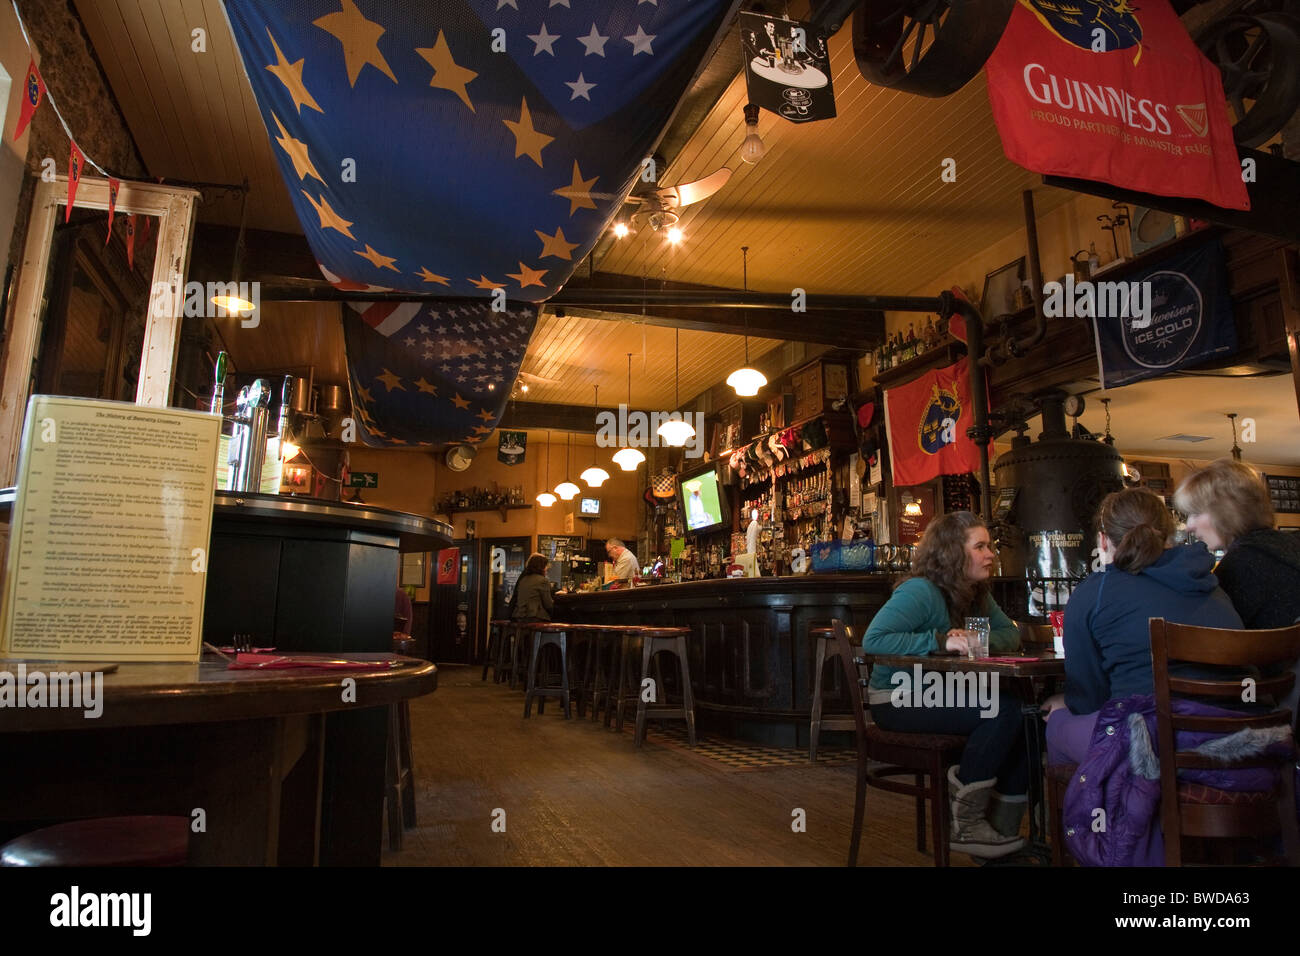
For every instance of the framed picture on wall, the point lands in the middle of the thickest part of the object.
(1000, 289)
(414, 567)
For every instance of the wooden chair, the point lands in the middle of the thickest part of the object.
(923, 756)
(1194, 810)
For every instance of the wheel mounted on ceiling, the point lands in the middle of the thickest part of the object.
(927, 47)
(1259, 60)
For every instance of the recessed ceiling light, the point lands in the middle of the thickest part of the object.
(1181, 437)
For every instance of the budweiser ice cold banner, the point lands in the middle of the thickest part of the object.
(1114, 92)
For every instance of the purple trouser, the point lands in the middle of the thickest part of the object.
(1068, 738)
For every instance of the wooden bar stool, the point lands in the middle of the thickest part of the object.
(107, 841)
(673, 641)
(492, 656)
(399, 774)
(547, 633)
(826, 649)
(606, 652)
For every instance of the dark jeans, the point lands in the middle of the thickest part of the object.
(996, 744)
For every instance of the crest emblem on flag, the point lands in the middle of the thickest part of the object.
(938, 425)
(1076, 23)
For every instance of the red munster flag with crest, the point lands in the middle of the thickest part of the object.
(33, 91)
(1114, 92)
(76, 163)
(926, 421)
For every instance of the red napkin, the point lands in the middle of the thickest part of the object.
(246, 661)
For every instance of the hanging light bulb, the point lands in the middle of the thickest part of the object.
(753, 148)
(595, 476)
(628, 457)
(675, 235)
(746, 381)
(546, 499)
(912, 508)
(676, 432)
(620, 230)
(566, 489)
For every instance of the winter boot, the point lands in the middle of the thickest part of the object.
(971, 832)
(1007, 812)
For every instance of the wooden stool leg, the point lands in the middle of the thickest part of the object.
(532, 675)
(815, 730)
(494, 633)
(647, 654)
(920, 814)
(408, 768)
(624, 662)
(688, 695)
(564, 673)
(939, 811)
(392, 788)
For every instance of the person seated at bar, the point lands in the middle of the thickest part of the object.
(1228, 507)
(532, 600)
(926, 615)
(402, 613)
(625, 564)
(1107, 634)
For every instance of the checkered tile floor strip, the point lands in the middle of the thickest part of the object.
(737, 756)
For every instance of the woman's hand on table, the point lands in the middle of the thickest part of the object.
(1053, 704)
(957, 640)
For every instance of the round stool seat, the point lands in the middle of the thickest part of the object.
(107, 841)
(661, 631)
(403, 643)
(822, 631)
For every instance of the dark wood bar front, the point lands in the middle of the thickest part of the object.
(752, 659)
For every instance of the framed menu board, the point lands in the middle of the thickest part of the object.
(1284, 490)
(108, 545)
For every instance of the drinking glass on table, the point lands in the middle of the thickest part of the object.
(977, 638)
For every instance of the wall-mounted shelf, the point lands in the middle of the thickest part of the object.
(503, 510)
(945, 353)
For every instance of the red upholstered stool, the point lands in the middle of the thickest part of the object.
(107, 841)
(399, 775)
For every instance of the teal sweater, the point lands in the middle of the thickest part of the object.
(915, 621)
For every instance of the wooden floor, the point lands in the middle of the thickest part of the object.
(575, 794)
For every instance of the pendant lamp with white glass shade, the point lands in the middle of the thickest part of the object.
(628, 458)
(566, 489)
(676, 432)
(595, 476)
(746, 381)
(546, 499)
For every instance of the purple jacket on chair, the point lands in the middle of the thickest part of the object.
(1121, 777)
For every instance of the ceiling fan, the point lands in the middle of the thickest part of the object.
(659, 208)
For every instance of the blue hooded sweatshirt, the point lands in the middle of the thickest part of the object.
(1107, 634)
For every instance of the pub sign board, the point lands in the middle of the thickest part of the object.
(787, 67)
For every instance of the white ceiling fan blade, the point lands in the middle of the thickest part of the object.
(687, 193)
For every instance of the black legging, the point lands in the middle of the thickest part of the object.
(996, 744)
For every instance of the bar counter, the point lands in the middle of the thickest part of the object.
(751, 659)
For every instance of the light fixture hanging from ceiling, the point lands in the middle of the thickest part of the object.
(746, 381)
(595, 476)
(753, 148)
(676, 432)
(1236, 449)
(566, 489)
(234, 304)
(628, 457)
(1109, 439)
(546, 499)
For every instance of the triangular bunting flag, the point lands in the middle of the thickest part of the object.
(130, 241)
(33, 92)
(113, 186)
(75, 164)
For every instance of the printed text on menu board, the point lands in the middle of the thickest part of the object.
(110, 532)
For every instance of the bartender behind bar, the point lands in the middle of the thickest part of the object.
(625, 563)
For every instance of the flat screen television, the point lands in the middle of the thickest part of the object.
(588, 507)
(703, 500)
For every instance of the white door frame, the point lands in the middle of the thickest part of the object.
(175, 209)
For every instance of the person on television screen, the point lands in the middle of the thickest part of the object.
(696, 516)
(625, 564)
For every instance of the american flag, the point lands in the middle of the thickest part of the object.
(426, 373)
(459, 146)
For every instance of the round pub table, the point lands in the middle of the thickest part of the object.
(243, 753)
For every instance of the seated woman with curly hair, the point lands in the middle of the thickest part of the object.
(925, 615)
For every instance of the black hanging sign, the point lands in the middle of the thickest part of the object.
(512, 447)
(787, 67)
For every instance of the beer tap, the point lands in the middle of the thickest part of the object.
(219, 387)
(282, 426)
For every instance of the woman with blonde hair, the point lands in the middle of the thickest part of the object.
(1228, 507)
(926, 615)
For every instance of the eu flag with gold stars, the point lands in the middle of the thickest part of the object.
(459, 146)
(428, 373)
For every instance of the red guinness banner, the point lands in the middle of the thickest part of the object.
(926, 421)
(1114, 92)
